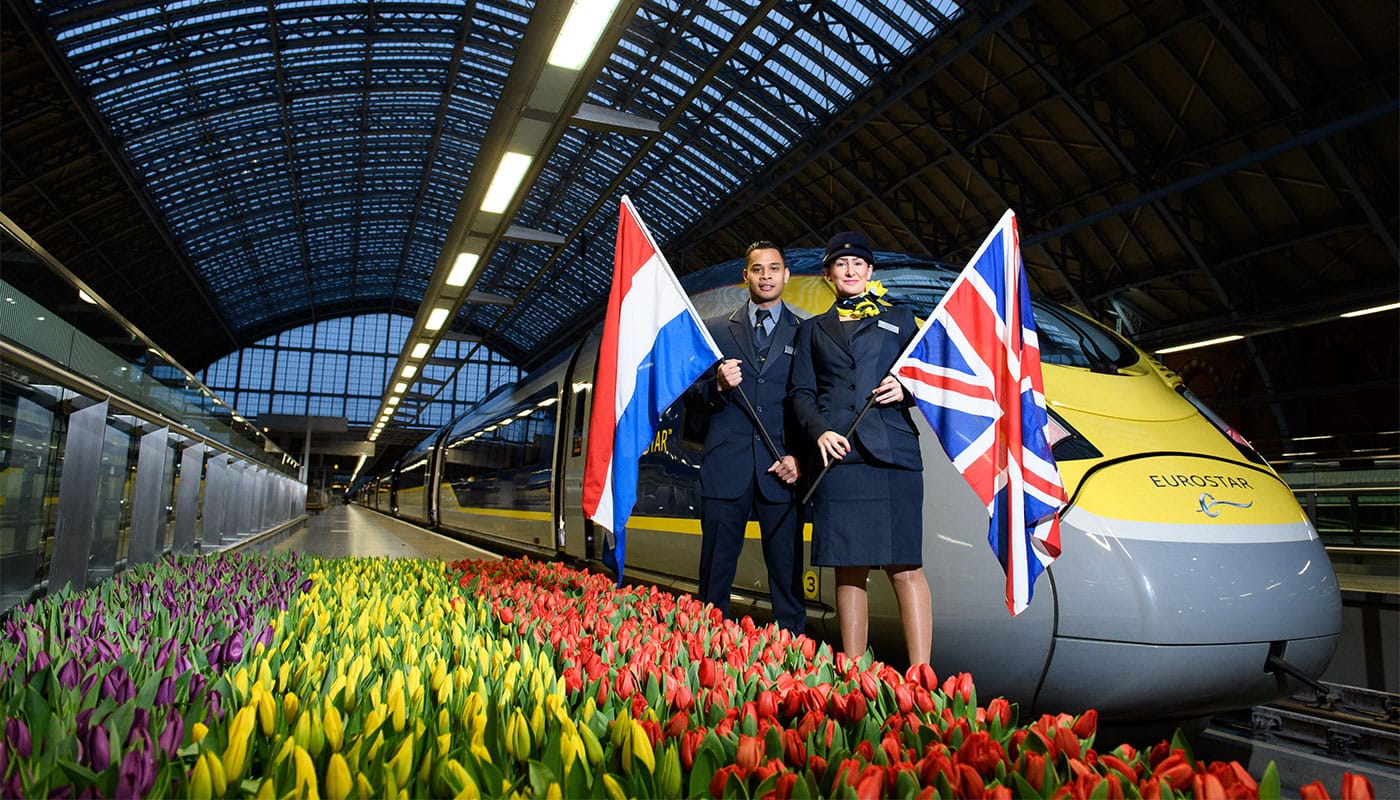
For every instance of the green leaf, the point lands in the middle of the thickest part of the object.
(707, 763)
(1269, 783)
(541, 777)
(1020, 787)
(1180, 742)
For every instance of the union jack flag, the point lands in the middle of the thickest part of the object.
(978, 381)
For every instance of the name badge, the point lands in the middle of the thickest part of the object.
(787, 350)
(889, 326)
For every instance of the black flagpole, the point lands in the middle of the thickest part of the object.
(753, 417)
(868, 403)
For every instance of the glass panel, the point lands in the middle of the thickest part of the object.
(116, 487)
(30, 430)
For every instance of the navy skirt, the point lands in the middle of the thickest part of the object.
(868, 516)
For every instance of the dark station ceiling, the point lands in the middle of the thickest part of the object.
(222, 171)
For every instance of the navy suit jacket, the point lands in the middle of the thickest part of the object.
(735, 453)
(832, 378)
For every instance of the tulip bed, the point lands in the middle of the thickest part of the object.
(279, 677)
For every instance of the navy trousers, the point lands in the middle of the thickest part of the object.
(722, 523)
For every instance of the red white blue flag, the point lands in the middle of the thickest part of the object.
(654, 346)
(974, 369)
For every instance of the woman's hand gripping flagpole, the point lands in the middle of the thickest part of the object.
(869, 401)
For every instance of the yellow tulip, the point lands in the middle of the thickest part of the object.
(265, 674)
(569, 745)
(285, 752)
(333, 727)
(373, 720)
(267, 790)
(591, 746)
(301, 733)
(425, 768)
(338, 782)
(444, 743)
(402, 762)
(218, 777)
(553, 792)
(236, 754)
(637, 750)
(290, 705)
(336, 687)
(398, 711)
(267, 712)
(363, 789)
(201, 785)
(537, 723)
(613, 788)
(518, 736)
(305, 772)
(198, 731)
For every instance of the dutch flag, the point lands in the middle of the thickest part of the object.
(654, 346)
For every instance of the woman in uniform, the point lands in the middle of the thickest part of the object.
(868, 512)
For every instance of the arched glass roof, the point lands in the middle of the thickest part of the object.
(309, 156)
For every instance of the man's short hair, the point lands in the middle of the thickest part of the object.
(763, 244)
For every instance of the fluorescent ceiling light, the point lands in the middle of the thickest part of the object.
(1194, 345)
(435, 318)
(579, 35)
(1361, 312)
(462, 269)
(85, 297)
(409, 370)
(508, 177)
(400, 387)
(393, 401)
(1311, 438)
(419, 350)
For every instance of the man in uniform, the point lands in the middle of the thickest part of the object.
(746, 472)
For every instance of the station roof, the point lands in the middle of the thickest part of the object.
(222, 171)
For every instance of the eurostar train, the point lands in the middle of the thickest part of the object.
(1190, 581)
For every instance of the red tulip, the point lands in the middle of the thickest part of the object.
(922, 675)
(690, 743)
(707, 673)
(870, 785)
(721, 777)
(767, 704)
(904, 698)
(794, 748)
(1355, 787)
(983, 753)
(869, 684)
(1033, 769)
(969, 784)
(1176, 771)
(1066, 742)
(750, 752)
(1000, 710)
(1087, 724)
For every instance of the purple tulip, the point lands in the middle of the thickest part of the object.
(17, 737)
(137, 774)
(174, 734)
(69, 674)
(40, 661)
(118, 686)
(233, 648)
(165, 692)
(140, 728)
(99, 750)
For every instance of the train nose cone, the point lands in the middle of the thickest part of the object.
(1187, 573)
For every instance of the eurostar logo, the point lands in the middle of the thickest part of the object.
(1209, 503)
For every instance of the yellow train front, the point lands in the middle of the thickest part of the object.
(1190, 578)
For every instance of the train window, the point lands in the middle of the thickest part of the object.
(1070, 340)
(502, 458)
